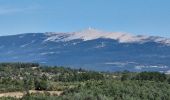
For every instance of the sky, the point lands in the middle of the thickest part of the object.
(144, 17)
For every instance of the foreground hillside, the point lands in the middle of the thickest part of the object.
(30, 81)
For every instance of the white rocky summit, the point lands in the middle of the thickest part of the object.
(91, 34)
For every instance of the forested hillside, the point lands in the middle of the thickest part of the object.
(35, 82)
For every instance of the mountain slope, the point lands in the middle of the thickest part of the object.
(89, 49)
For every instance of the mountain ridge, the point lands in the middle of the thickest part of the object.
(93, 53)
(92, 33)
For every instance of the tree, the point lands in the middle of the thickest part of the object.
(40, 84)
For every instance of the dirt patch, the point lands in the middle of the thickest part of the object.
(21, 94)
(12, 94)
(51, 92)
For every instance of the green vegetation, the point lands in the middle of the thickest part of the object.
(58, 83)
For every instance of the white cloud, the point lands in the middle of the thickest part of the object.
(12, 10)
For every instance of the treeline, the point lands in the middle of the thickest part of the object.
(145, 76)
(19, 65)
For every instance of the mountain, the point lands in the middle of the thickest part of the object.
(89, 49)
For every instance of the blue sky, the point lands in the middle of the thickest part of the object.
(150, 17)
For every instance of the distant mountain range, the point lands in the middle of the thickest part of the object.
(89, 49)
